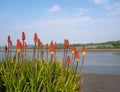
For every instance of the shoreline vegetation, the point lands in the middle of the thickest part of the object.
(46, 74)
(38, 73)
(88, 50)
(91, 47)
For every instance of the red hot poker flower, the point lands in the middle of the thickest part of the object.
(51, 48)
(73, 49)
(23, 36)
(39, 42)
(47, 46)
(77, 56)
(10, 43)
(8, 39)
(67, 43)
(21, 45)
(68, 59)
(5, 48)
(83, 51)
(18, 46)
(35, 38)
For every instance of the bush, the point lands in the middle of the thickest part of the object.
(37, 76)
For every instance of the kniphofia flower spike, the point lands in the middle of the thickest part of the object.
(47, 46)
(39, 42)
(68, 59)
(77, 56)
(51, 48)
(66, 43)
(23, 36)
(8, 39)
(10, 43)
(18, 46)
(83, 51)
(73, 49)
(5, 48)
(35, 38)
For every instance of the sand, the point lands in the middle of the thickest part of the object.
(101, 83)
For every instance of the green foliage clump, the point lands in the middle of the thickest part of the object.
(34, 76)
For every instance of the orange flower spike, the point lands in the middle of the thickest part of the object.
(39, 42)
(51, 48)
(67, 43)
(77, 56)
(10, 43)
(83, 51)
(5, 47)
(18, 46)
(73, 49)
(8, 38)
(21, 45)
(35, 38)
(68, 59)
(47, 46)
(23, 36)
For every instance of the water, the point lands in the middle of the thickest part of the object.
(95, 62)
(102, 62)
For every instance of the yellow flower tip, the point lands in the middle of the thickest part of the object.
(18, 50)
(72, 52)
(83, 53)
(52, 52)
(77, 59)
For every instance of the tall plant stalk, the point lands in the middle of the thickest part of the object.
(38, 51)
(8, 40)
(64, 57)
(82, 64)
(34, 51)
(35, 41)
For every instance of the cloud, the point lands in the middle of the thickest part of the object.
(77, 29)
(113, 9)
(55, 8)
(81, 11)
(56, 23)
(101, 1)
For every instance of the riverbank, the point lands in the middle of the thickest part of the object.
(101, 83)
(88, 50)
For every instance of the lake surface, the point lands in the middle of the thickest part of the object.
(95, 62)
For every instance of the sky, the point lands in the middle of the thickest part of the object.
(80, 21)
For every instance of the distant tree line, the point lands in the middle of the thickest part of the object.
(105, 45)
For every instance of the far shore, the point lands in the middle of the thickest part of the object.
(88, 50)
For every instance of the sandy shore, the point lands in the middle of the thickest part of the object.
(101, 83)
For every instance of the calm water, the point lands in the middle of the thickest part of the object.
(95, 62)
